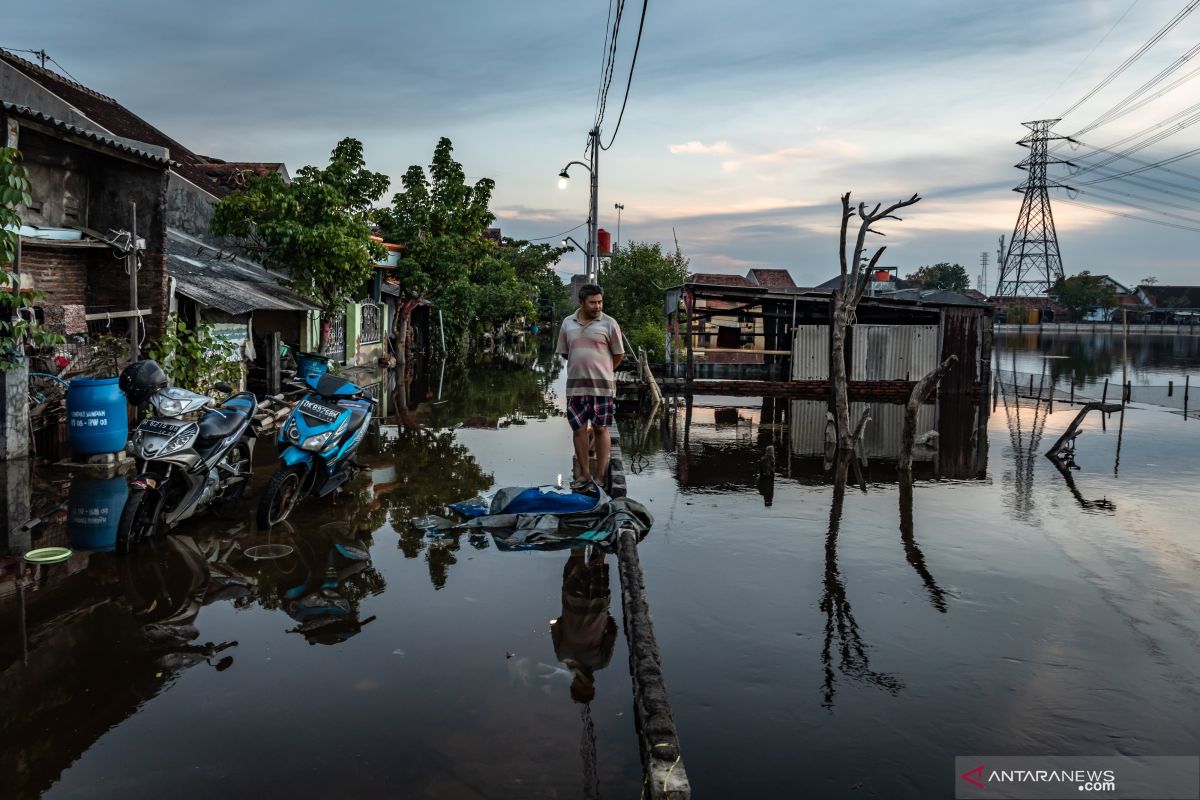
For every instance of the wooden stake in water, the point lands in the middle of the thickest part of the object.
(1125, 352)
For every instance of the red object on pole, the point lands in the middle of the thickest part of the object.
(882, 275)
(604, 242)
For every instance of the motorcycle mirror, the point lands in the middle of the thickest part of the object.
(224, 664)
(222, 386)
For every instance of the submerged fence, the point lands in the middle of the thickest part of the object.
(1182, 394)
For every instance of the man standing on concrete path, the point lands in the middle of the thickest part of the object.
(590, 340)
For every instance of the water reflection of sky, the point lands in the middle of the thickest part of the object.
(846, 640)
(1153, 358)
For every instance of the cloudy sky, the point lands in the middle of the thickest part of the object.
(745, 122)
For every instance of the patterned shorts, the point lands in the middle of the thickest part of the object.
(602, 411)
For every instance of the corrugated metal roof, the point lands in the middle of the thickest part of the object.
(235, 286)
(99, 138)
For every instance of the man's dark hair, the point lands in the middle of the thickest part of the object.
(589, 289)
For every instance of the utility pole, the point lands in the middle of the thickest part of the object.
(983, 262)
(593, 237)
(1033, 262)
(131, 264)
(593, 168)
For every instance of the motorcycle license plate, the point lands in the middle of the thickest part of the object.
(318, 411)
(160, 427)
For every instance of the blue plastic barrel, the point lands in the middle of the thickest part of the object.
(93, 510)
(310, 364)
(97, 420)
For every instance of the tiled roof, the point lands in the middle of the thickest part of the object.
(115, 118)
(774, 278)
(231, 175)
(1172, 296)
(718, 279)
(93, 136)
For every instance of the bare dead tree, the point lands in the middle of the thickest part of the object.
(920, 393)
(855, 272)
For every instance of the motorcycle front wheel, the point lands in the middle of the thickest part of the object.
(139, 521)
(280, 496)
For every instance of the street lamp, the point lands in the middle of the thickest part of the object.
(574, 244)
(593, 257)
(619, 207)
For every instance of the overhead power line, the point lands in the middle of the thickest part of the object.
(1153, 165)
(558, 235)
(632, 64)
(1118, 109)
(1091, 52)
(1115, 213)
(1127, 63)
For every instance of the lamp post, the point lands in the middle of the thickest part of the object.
(593, 256)
(619, 207)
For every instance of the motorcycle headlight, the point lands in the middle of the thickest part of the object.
(317, 442)
(322, 440)
(293, 432)
(182, 439)
(169, 406)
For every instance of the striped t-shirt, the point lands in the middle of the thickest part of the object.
(589, 348)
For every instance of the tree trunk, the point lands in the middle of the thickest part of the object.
(403, 319)
(920, 392)
(841, 395)
(326, 330)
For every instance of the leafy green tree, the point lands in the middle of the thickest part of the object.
(942, 275)
(314, 228)
(441, 222)
(195, 357)
(634, 281)
(16, 329)
(1082, 293)
(534, 266)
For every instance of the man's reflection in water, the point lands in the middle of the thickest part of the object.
(584, 636)
(585, 633)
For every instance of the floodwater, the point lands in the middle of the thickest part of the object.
(829, 632)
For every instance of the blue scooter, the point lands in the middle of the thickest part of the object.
(318, 441)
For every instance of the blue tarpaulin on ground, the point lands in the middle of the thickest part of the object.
(551, 517)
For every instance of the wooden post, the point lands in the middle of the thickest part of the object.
(1031, 386)
(1170, 388)
(1128, 393)
(1104, 396)
(688, 308)
(272, 363)
(131, 265)
(1124, 348)
(1186, 379)
(1072, 388)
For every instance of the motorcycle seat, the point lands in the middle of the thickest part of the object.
(219, 424)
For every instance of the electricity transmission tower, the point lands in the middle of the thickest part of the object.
(1032, 263)
(981, 285)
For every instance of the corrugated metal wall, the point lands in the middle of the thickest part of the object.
(893, 352)
(961, 336)
(807, 423)
(880, 440)
(810, 353)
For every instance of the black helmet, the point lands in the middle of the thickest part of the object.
(141, 379)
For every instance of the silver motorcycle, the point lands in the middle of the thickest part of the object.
(186, 465)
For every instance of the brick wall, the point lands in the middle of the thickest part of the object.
(61, 273)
